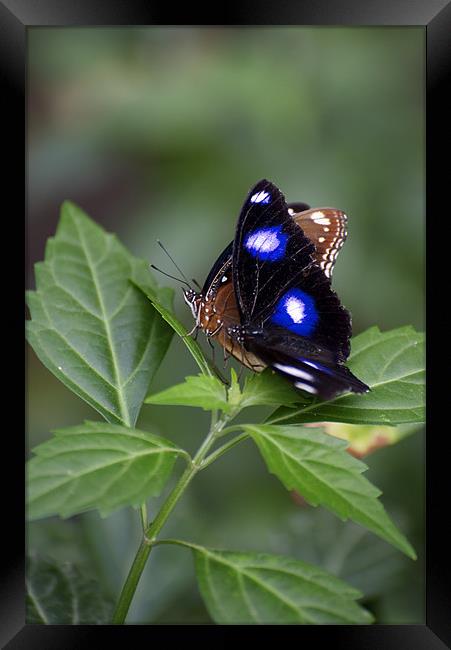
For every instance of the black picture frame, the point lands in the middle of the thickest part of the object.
(16, 16)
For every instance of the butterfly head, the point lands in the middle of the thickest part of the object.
(192, 299)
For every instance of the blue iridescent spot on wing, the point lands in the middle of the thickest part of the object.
(267, 244)
(296, 312)
(261, 197)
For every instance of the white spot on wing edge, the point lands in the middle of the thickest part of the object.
(306, 387)
(260, 197)
(311, 363)
(318, 217)
(294, 372)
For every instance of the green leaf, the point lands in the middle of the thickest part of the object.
(202, 391)
(261, 588)
(90, 325)
(267, 389)
(165, 312)
(234, 394)
(393, 365)
(209, 393)
(97, 465)
(318, 466)
(62, 595)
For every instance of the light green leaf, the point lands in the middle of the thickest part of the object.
(318, 466)
(209, 393)
(97, 465)
(62, 595)
(267, 389)
(90, 325)
(261, 588)
(206, 392)
(234, 394)
(393, 365)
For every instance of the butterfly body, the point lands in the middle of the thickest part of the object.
(268, 300)
(216, 311)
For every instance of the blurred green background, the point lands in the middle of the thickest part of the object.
(160, 133)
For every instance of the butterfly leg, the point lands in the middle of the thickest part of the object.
(227, 356)
(212, 350)
(255, 367)
(194, 330)
(219, 375)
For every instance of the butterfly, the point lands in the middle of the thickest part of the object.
(268, 299)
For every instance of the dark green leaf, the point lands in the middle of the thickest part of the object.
(393, 365)
(260, 588)
(317, 466)
(177, 326)
(202, 391)
(97, 465)
(62, 595)
(90, 325)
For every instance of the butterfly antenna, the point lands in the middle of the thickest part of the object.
(173, 261)
(196, 283)
(169, 275)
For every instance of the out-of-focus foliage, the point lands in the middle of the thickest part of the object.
(159, 133)
(61, 595)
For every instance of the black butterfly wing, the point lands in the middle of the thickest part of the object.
(308, 366)
(324, 227)
(266, 250)
(294, 208)
(290, 317)
(223, 262)
(276, 279)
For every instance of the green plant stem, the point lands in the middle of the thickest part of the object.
(143, 512)
(221, 450)
(178, 542)
(149, 537)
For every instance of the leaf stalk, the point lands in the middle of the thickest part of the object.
(151, 532)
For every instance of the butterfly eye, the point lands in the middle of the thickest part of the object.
(189, 295)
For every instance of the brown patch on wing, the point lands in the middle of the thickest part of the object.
(327, 229)
(219, 311)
